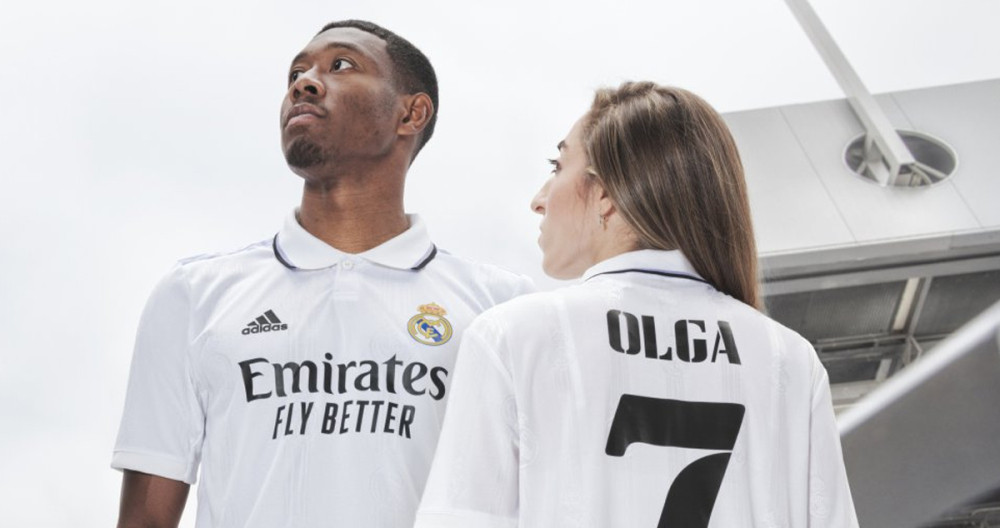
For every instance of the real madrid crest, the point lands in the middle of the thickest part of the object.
(429, 326)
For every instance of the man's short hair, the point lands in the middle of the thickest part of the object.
(412, 71)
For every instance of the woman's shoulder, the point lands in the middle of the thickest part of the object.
(762, 331)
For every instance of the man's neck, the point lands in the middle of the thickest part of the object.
(354, 214)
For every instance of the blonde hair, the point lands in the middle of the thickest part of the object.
(670, 165)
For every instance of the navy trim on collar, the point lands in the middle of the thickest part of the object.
(653, 272)
(434, 252)
(285, 263)
(277, 254)
(299, 250)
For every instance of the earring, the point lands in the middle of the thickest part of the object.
(601, 220)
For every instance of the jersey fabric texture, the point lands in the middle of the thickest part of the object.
(308, 384)
(641, 397)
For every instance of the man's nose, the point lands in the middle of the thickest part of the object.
(307, 83)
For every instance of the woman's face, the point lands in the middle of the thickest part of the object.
(569, 219)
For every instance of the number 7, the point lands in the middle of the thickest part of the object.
(675, 423)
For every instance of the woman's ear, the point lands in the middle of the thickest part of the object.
(601, 199)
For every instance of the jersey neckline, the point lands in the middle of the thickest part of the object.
(672, 264)
(297, 249)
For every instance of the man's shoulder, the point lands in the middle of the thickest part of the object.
(529, 307)
(499, 283)
(212, 262)
(221, 267)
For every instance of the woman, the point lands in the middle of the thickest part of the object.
(654, 393)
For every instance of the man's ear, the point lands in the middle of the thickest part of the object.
(419, 111)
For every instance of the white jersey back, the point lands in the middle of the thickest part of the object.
(641, 397)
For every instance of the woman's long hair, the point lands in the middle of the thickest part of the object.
(671, 167)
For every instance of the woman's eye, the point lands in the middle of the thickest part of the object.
(555, 165)
(342, 64)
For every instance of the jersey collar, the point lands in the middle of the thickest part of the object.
(296, 248)
(650, 261)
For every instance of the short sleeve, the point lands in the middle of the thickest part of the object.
(524, 285)
(163, 422)
(830, 502)
(505, 286)
(473, 481)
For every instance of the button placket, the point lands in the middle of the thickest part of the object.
(346, 280)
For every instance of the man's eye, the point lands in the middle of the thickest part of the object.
(342, 64)
(555, 165)
(292, 77)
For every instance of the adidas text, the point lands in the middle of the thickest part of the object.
(265, 328)
(268, 322)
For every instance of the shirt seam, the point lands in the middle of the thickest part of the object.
(193, 440)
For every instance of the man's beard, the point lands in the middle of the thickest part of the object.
(303, 154)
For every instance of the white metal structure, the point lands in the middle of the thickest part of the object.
(887, 159)
(927, 439)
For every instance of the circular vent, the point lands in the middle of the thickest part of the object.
(935, 160)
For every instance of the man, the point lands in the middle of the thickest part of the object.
(307, 374)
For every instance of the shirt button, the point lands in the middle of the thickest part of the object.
(348, 264)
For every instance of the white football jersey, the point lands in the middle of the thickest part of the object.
(640, 398)
(307, 384)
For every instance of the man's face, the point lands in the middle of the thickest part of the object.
(341, 104)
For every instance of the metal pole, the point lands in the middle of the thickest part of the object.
(885, 153)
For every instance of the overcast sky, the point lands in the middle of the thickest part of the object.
(136, 133)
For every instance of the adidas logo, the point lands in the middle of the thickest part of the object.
(265, 323)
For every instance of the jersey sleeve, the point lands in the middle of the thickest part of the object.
(505, 285)
(163, 422)
(473, 481)
(522, 286)
(830, 502)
